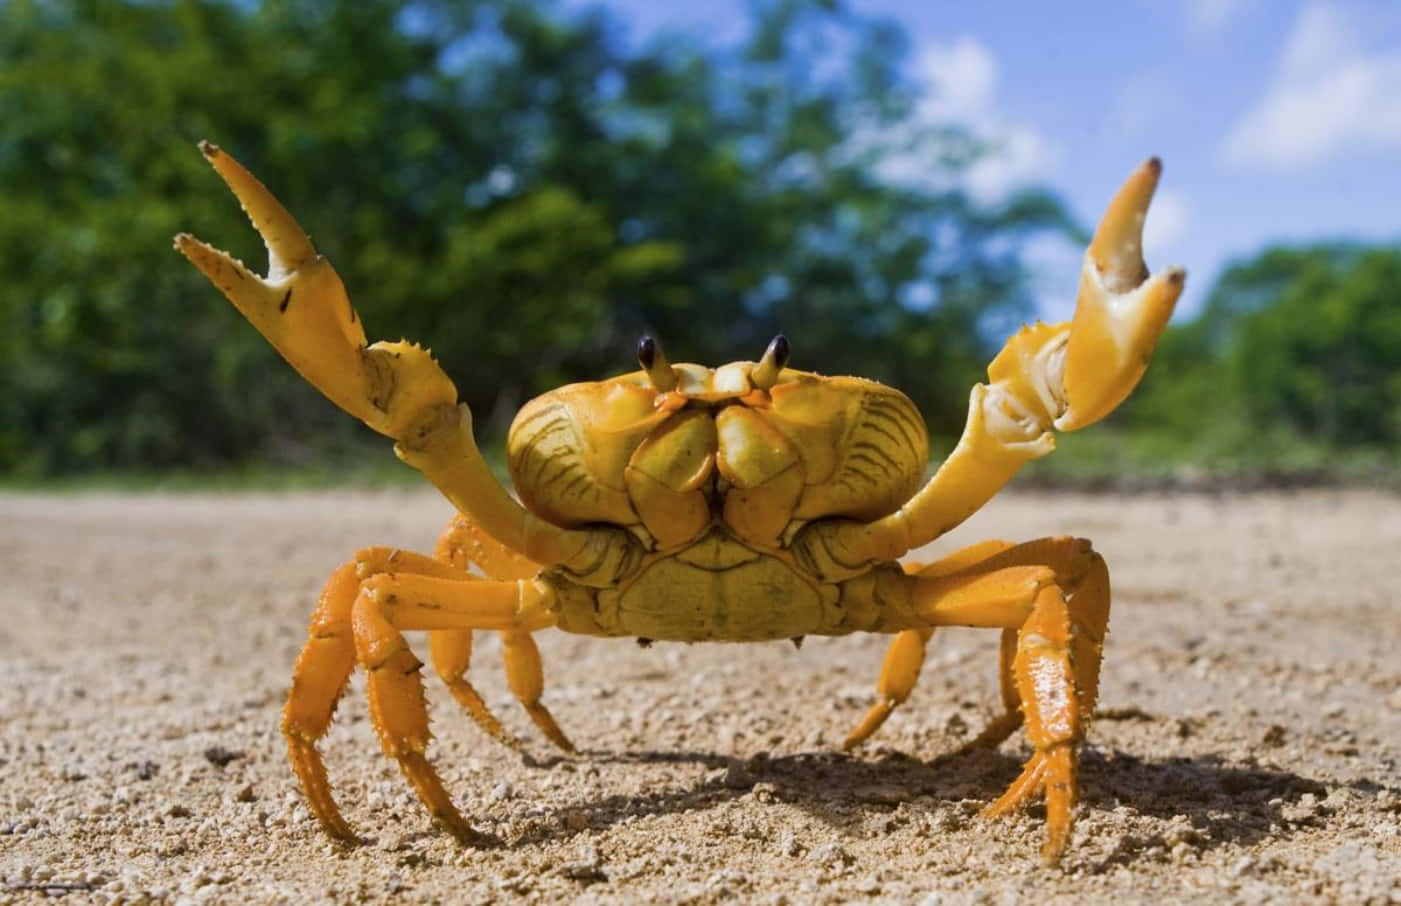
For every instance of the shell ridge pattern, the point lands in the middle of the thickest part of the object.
(618, 452)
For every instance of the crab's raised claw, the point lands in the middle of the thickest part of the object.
(301, 306)
(1121, 310)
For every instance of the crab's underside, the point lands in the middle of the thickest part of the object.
(678, 502)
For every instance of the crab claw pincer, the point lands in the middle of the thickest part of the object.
(1121, 309)
(303, 310)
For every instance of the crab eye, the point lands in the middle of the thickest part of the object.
(646, 352)
(765, 374)
(653, 361)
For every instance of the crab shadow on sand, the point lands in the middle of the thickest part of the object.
(1224, 803)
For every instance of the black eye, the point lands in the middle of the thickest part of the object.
(646, 352)
(779, 350)
(765, 373)
(654, 363)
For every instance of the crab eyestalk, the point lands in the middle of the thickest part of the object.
(1121, 310)
(765, 374)
(654, 363)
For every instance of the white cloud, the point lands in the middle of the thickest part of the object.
(961, 82)
(1328, 96)
(1142, 101)
(961, 77)
(1055, 268)
(1168, 219)
(1209, 18)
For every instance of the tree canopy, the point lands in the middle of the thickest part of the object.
(527, 192)
(1293, 364)
(513, 185)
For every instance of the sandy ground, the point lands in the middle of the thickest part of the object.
(1248, 748)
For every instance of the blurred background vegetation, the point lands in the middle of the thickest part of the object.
(526, 193)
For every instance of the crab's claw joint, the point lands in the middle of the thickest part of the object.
(302, 308)
(1121, 310)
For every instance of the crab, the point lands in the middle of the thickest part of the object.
(743, 503)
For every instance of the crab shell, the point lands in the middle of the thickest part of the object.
(664, 464)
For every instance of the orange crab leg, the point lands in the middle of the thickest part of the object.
(389, 603)
(905, 656)
(318, 681)
(1053, 697)
(526, 678)
(465, 545)
(1082, 574)
(898, 675)
(451, 653)
(1052, 597)
(326, 661)
(1006, 723)
(324, 667)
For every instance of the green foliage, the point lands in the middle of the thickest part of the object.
(515, 187)
(1292, 368)
(506, 183)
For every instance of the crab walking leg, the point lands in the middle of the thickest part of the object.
(318, 682)
(465, 545)
(905, 656)
(1047, 378)
(1053, 696)
(526, 677)
(1082, 574)
(1006, 723)
(898, 675)
(451, 653)
(390, 603)
(302, 309)
(1054, 593)
(323, 669)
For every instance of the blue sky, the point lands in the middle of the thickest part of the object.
(1277, 120)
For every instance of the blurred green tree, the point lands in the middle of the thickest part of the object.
(1294, 360)
(506, 182)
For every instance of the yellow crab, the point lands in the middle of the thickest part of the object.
(742, 503)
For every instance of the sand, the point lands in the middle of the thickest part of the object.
(1248, 748)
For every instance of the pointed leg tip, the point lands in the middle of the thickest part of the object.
(1053, 850)
(561, 742)
(548, 727)
(343, 835)
(994, 810)
(468, 836)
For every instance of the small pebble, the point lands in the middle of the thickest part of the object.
(829, 854)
